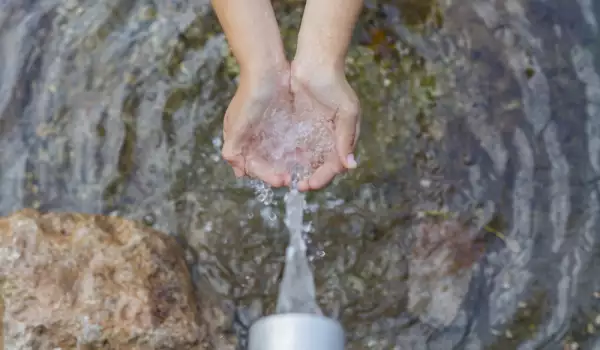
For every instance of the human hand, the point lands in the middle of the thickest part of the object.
(259, 96)
(323, 93)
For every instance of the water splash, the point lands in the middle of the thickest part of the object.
(297, 288)
(263, 192)
(287, 140)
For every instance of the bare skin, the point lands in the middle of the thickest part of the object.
(315, 80)
(318, 73)
(264, 77)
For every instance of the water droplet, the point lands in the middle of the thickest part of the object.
(149, 219)
(261, 197)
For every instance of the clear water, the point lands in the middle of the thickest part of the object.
(297, 288)
(484, 108)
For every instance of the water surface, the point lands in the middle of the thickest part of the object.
(472, 222)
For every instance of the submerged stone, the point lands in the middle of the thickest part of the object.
(441, 269)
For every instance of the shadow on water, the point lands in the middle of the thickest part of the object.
(472, 222)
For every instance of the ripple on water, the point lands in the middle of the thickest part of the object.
(481, 133)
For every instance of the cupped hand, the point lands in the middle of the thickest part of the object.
(245, 126)
(324, 94)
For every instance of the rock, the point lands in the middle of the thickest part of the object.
(441, 268)
(78, 281)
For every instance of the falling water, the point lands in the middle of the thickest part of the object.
(297, 288)
(116, 107)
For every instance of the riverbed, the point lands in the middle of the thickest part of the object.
(472, 221)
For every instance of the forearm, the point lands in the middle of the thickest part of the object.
(326, 31)
(252, 33)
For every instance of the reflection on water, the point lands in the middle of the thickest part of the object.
(472, 222)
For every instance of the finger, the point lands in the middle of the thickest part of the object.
(323, 175)
(356, 133)
(260, 169)
(346, 134)
(235, 159)
(287, 179)
(238, 172)
(303, 186)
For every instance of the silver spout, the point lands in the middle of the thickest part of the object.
(295, 331)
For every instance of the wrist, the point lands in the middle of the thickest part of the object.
(315, 71)
(319, 53)
(269, 75)
(262, 62)
(325, 33)
(320, 60)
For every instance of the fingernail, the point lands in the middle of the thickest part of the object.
(351, 161)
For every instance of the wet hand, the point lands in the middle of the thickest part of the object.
(258, 95)
(324, 93)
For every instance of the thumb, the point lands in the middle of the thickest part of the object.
(234, 157)
(346, 134)
(232, 149)
(234, 128)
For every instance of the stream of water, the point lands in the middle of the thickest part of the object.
(297, 289)
(481, 120)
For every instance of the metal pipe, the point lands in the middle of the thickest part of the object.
(294, 331)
